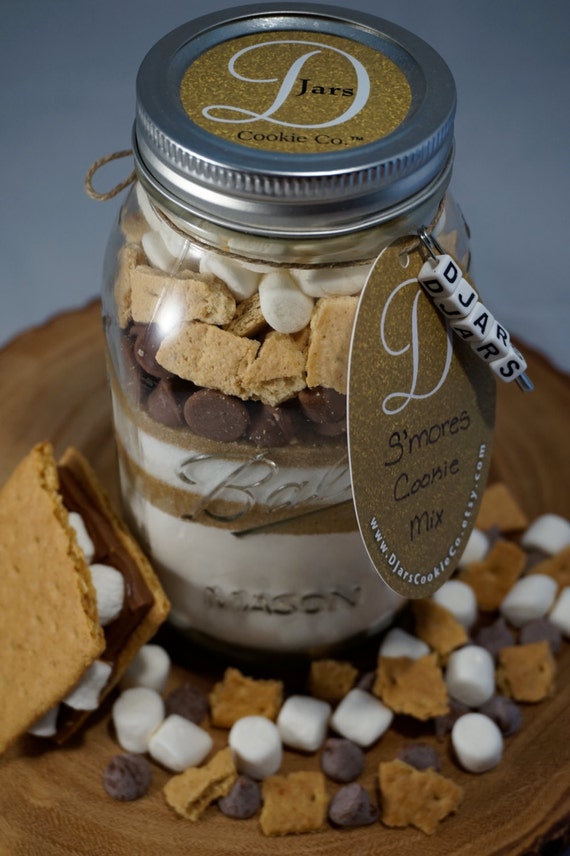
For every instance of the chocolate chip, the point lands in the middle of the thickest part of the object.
(422, 756)
(145, 347)
(367, 681)
(270, 426)
(342, 760)
(331, 429)
(323, 405)
(444, 724)
(217, 416)
(243, 800)
(127, 777)
(541, 630)
(164, 404)
(187, 701)
(351, 806)
(495, 636)
(504, 712)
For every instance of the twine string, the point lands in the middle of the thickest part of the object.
(95, 167)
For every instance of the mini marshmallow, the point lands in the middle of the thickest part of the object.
(400, 643)
(283, 305)
(361, 717)
(83, 538)
(459, 599)
(331, 281)
(549, 533)
(136, 714)
(146, 208)
(178, 744)
(477, 742)
(241, 281)
(531, 597)
(157, 253)
(255, 744)
(476, 548)
(560, 612)
(149, 668)
(85, 695)
(46, 726)
(109, 587)
(470, 675)
(303, 722)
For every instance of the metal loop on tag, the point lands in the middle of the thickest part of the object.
(458, 303)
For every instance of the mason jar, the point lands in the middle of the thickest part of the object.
(278, 151)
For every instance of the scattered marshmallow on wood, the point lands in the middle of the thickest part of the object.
(178, 743)
(149, 668)
(303, 722)
(531, 597)
(109, 586)
(470, 675)
(477, 742)
(549, 533)
(85, 696)
(459, 599)
(560, 612)
(361, 717)
(137, 713)
(400, 643)
(256, 747)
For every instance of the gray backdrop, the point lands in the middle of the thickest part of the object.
(67, 97)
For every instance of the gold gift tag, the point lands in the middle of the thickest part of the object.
(421, 411)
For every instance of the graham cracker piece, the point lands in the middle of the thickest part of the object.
(82, 471)
(237, 696)
(49, 631)
(493, 577)
(331, 680)
(438, 628)
(557, 567)
(420, 798)
(293, 804)
(191, 792)
(413, 687)
(278, 371)
(500, 509)
(130, 256)
(248, 319)
(526, 672)
(329, 345)
(208, 356)
(188, 296)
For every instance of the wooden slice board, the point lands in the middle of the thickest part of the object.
(53, 386)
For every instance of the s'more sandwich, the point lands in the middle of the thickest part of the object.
(78, 598)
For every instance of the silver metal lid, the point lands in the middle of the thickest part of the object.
(290, 119)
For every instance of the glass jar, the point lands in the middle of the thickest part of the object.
(278, 151)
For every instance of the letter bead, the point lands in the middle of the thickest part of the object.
(440, 277)
(510, 367)
(462, 303)
(495, 346)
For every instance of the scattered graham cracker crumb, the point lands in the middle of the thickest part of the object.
(420, 798)
(191, 792)
(526, 672)
(493, 577)
(237, 696)
(413, 687)
(293, 804)
(331, 680)
(499, 508)
(437, 627)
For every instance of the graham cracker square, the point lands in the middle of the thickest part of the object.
(191, 792)
(526, 672)
(420, 798)
(293, 804)
(237, 696)
(493, 577)
(413, 687)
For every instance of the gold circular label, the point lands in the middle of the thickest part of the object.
(296, 92)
